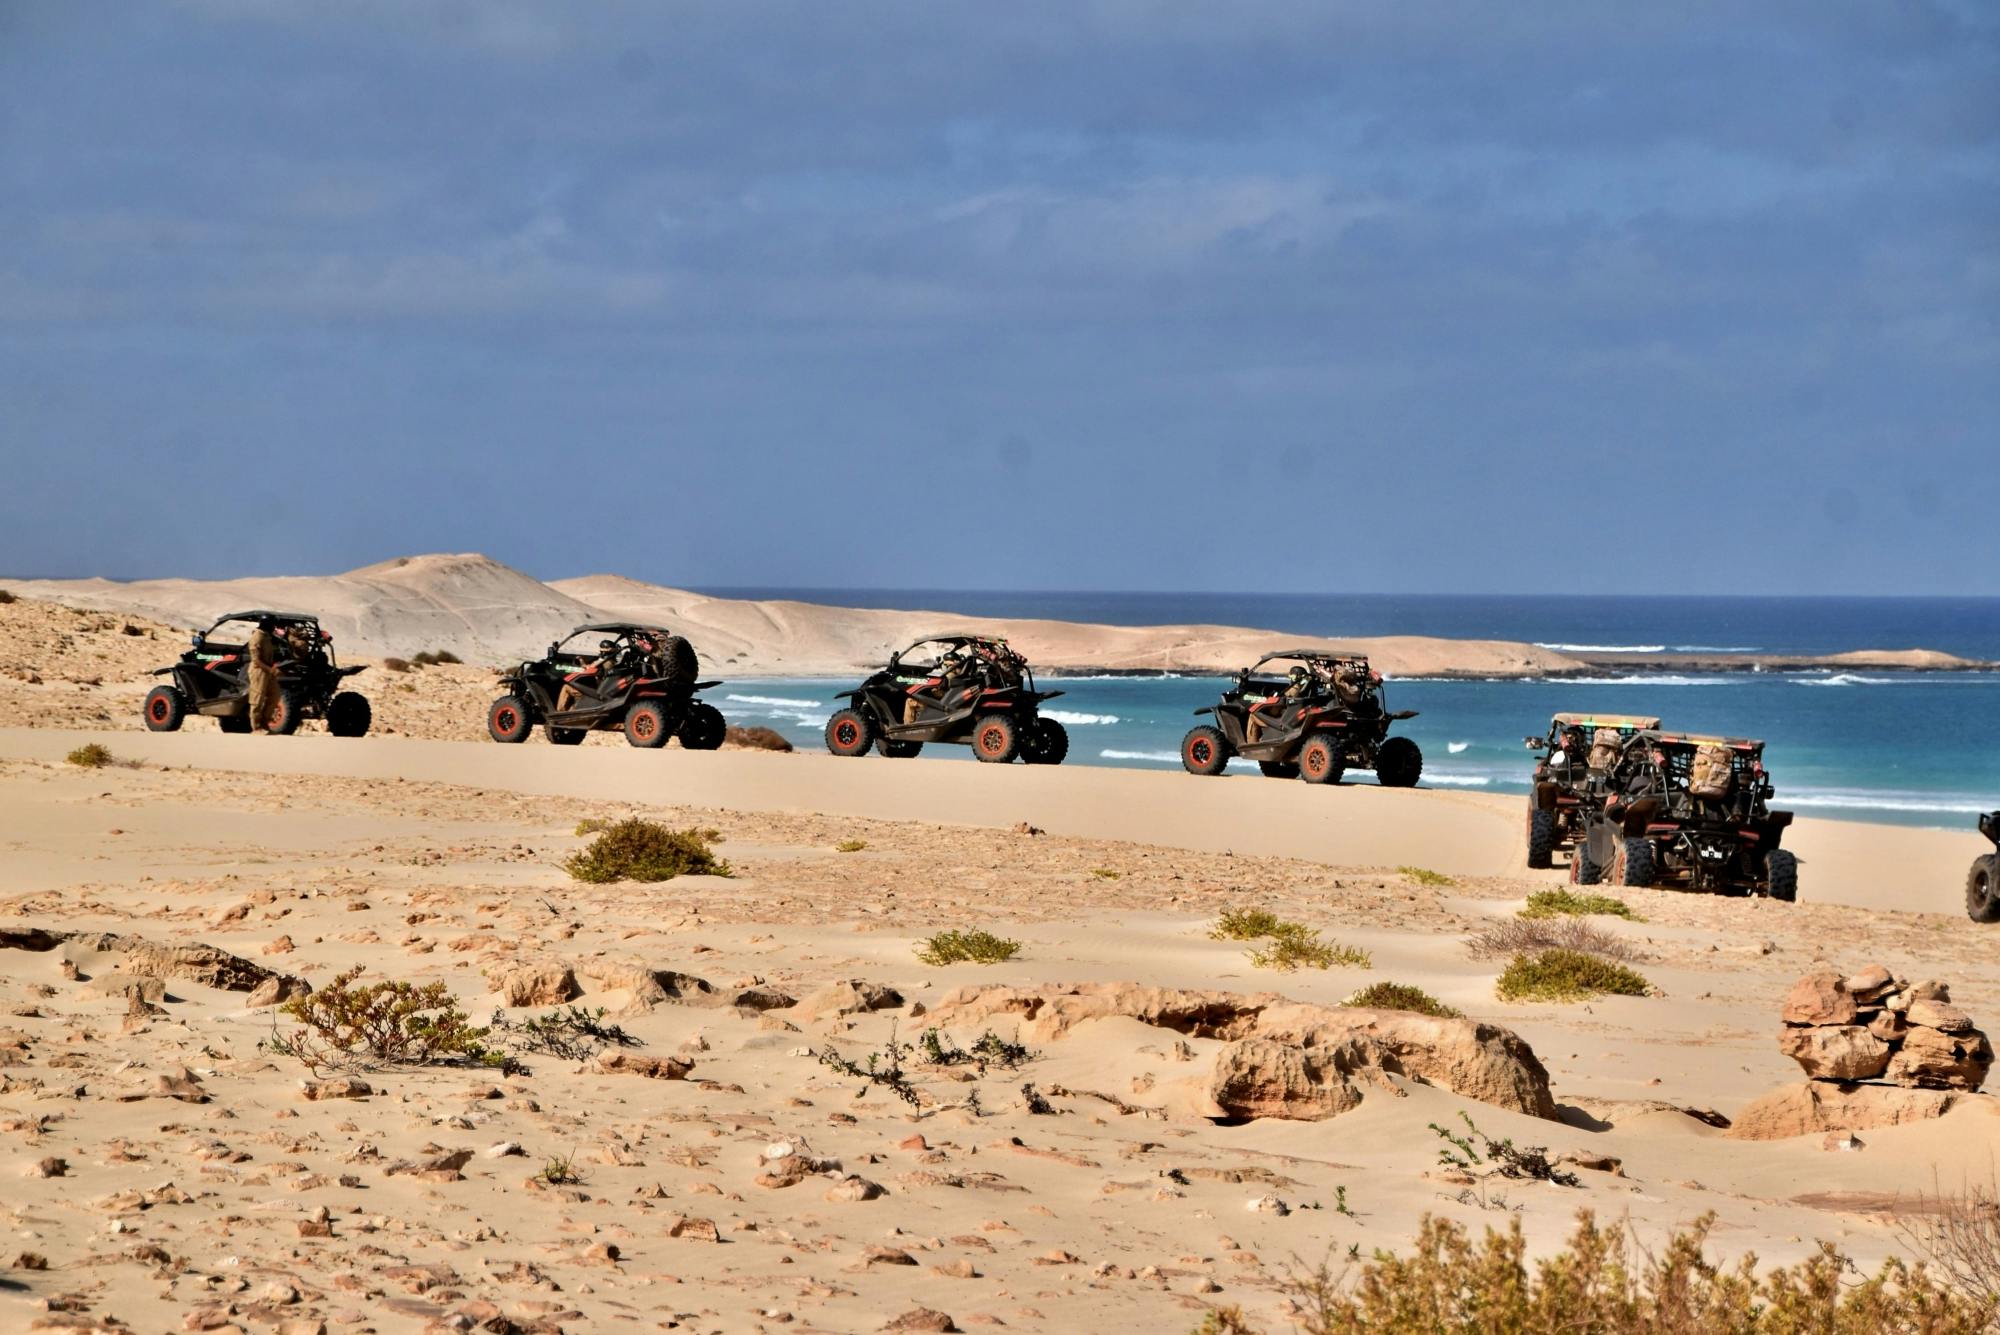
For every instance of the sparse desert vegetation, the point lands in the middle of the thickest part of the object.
(1571, 903)
(1566, 975)
(1514, 936)
(387, 1023)
(1403, 997)
(642, 850)
(91, 755)
(1425, 876)
(1285, 945)
(974, 946)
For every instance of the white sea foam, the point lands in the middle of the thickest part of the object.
(1943, 804)
(1603, 648)
(1717, 649)
(1072, 719)
(1456, 747)
(1156, 757)
(1846, 679)
(1655, 680)
(778, 701)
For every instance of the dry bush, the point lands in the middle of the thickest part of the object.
(1569, 903)
(1425, 876)
(1247, 925)
(395, 665)
(1566, 975)
(644, 850)
(6, 597)
(432, 657)
(1959, 1236)
(1604, 1283)
(976, 947)
(91, 755)
(761, 739)
(1300, 945)
(850, 846)
(1515, 936)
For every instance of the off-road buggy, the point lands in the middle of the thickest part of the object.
(1982, 884)
(966, 689)
(213, 678)
(618, 677)
(1689, 811)
(1305, 714)
(1575, 754)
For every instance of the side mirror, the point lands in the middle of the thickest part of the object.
(553, 646)
(1536, 743)
(896, 659)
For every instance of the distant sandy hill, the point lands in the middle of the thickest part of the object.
(486, 612)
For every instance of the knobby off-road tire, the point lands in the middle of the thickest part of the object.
(349, 715)
(1204, 751)
(704, 728)
(849, 733)
(995, 739)
(900, 750)
(1046, 743)
(1982, 890)
(291, 712)
(646, 725)
(1634, 865)
(165, 708)
(1583, 871)
(682, 665)
(1781, 875)
(1321, 760)
(567, 736)
(1278, 769)
(508, 720)
(1541, 838)
(1398, 763)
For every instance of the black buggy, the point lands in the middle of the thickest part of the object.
(965, 689)
(610, 676)
(213, 678)
(1982, 884)
(1576, 753)
(1690, 812)
(1305, 714)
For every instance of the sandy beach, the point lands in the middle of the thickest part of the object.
(1114, 1199)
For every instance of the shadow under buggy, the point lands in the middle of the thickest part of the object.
(967, 690)
(213, 678)
(1692, 812)
(610, 676)
(1305, 714)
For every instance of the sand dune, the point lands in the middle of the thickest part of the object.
(486, 612)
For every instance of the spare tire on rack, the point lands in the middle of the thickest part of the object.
(682, 665)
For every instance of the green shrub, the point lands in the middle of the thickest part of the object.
(91, 755)
(1566, 975)
(391, 1022)
(1106, 873)
(1403, 997)
(1425, 876)
(644, 850)
(1554, 903)
(591, 825)
(1605, 1283)
(850, 846)
(977, 946)
(1297, 944)
(1247, 925)
(432, 657)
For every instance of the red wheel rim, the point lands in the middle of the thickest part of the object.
(845, 733)
(1199, 750)
(992, 741)
(642, 724)
(503, 719)
(159, 711)
(1315, 760)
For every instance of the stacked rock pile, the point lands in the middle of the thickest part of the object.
(1874, 1026)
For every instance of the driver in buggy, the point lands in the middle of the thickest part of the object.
(949, 674)
(1301, 685)
(602, 665)
(1636, 776)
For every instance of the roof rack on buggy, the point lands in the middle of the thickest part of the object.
(260, 613)
(1642, 722)
(620, 625)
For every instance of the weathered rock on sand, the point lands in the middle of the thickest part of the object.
(140, 958)
(1846, 1030)
(1284, 1059)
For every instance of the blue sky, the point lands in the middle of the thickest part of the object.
(1450, 296)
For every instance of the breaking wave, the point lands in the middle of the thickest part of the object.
(1602, 648)
(1846, 679)
(1835, 799)
(1664, 679)
(1070, 718)
(1456, 747)
(778, 701)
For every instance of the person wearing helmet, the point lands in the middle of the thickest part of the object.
(951, 670)
(607, 657)
(1300, 685)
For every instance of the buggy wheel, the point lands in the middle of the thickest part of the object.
(899, 750)
(1321, 760)
(507, 719)
(1398, 763)
(1541, 838)
(1278, 769)
(849, 733)
(349, 715)
(285, 719)
(567, 736)
(646, 724)
(1582, 870)
(995, 739)
(1634, 865)
(165, 708)
(704, 728)
(1982, 894)
(1781, 875)
(1204, 751)
(238, 723)
(1046, 743)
